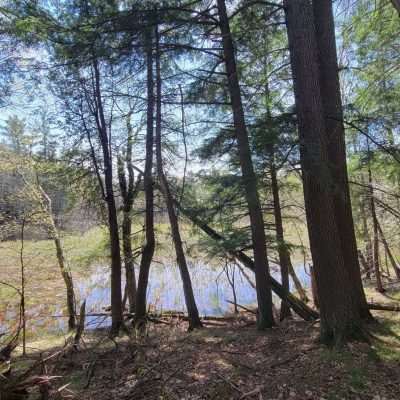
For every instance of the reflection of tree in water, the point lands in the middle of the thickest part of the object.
(165, 292)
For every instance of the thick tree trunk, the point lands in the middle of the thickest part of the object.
(116, 292)
(148, 249)
(377, 269)
(284, 256)
(333, 113)
(263, 285)
(194, 319)
(339, 310)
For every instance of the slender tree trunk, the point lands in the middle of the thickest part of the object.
(65, 272)
(388, 251)
(194, 319)
(284, 256)
(297, 306)
(378, 277)
(230, 276)
(116, 292)
(128, 259)
(297, 284)
(363, 261)
(128, 194)
(22, 303)
(262, 273)
(339, 310)
(68, 282)
(148, 249)
(333, 113)
(367, 238)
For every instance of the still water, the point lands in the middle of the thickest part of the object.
(211, 287)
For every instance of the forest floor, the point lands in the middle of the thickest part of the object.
(232, 360)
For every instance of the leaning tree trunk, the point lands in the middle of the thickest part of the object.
(65, 272)
(333, 113)
(339, 310)
(296, 305)
(116, 293)
(297, 284)
(148, 249)
(389, 252)
(262, 274)
(193, 314)
(284, 256)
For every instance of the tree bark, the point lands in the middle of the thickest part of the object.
(297, 306)
(65, 272)
(263, 285)
(194, 319)
(388, 251)
(148, 249)
(128, 194)
(297, 284)
(367, 238)
(284, 256)
(116, 292)
(339, 310)
(314, 289)
(336, 146)
(377, 270)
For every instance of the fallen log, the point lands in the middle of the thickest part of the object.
(384, 307)
(242, 307)
(299, 307)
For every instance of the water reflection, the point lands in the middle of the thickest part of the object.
(210, 284)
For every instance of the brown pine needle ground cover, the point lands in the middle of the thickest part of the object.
(231, 360)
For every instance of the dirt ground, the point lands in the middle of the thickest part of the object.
(229, 360)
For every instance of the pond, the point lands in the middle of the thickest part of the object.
(211, 287)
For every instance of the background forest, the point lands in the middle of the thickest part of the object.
(199, 199)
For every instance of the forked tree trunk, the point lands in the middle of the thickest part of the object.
(333, 113)
(193, 314)
(148, 249)
(128, 193)
(263, 285)
(339, 310)
(283, 252)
